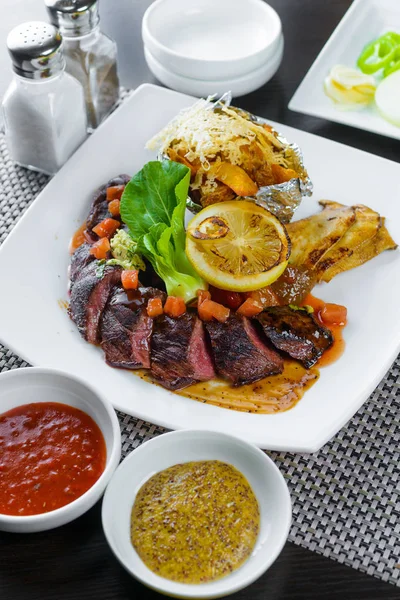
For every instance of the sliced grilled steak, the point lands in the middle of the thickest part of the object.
(240, 354)
(79, 260)
(89, 297)
(99, 209)
(179, 354)
(295, 332)
(126, 328)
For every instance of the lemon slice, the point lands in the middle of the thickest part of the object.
(237, 245)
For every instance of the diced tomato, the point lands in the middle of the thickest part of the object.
(203, 295)
(210, 309)
(174, 306)
(113, 208)
(130, 280)
(265, 296)
(154, 307)
(115, 192)
(231, 299)
(250, 308)
(100, 248)
(107, 228)
(333, 314)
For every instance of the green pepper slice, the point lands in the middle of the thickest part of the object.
(379, 53)
(394, 65)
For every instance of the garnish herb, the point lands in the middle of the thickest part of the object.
(153, 206)
(100, 268)
(307, 308)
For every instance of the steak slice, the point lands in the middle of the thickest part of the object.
(99, 209)
(240, 354)
(79, 260)
(126, 328)
(295, 332)
(89, 296)
(179, 354)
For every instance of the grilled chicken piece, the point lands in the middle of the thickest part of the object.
(314, 236)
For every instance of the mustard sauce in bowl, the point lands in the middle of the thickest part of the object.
(195, 522)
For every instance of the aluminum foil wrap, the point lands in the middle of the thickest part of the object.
(281, 199)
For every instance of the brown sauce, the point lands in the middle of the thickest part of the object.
(77, 239)
(273, 394)
(195, 522)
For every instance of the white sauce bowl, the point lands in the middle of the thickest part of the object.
(211, 39)
(239, 86)
(35, 384)
(192, 445)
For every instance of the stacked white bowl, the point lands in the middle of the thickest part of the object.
(203, 47)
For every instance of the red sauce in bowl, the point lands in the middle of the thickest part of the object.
(50, 454)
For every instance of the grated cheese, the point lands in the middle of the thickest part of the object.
(203, 133)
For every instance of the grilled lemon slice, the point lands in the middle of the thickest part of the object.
(237, 245)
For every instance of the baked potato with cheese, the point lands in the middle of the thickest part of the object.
(230, 155)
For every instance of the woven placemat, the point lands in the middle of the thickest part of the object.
(346, 498)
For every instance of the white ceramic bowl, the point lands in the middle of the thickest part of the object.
(202, 88)
(191, 445)
(35, 384)
(211, 39)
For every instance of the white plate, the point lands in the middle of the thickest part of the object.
(33, 275)
(364, 21)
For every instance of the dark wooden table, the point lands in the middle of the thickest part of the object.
(74, 562)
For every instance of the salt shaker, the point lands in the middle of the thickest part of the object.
(44, 107)
(91, 56)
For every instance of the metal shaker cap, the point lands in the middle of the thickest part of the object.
(36, 50)
(73, 17)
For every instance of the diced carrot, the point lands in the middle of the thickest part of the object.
(333, 314)
(100, 248)
(115, 192)
(174, 306)
(154, 307)
(107, 228)
(130, 280)
(264, 296)
(281, 174)
(203, 295)
(210, 309)
(113, 208)
(230, 299)
(249, 308)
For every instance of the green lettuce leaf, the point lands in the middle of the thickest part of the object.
(153, 206)
(152, 194)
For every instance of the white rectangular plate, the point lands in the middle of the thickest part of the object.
(364, 21)
(33, 273)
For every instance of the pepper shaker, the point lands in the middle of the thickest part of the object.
(44, 107)
(90, 55)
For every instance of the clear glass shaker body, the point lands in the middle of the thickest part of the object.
(92, 60)
(45, 121)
